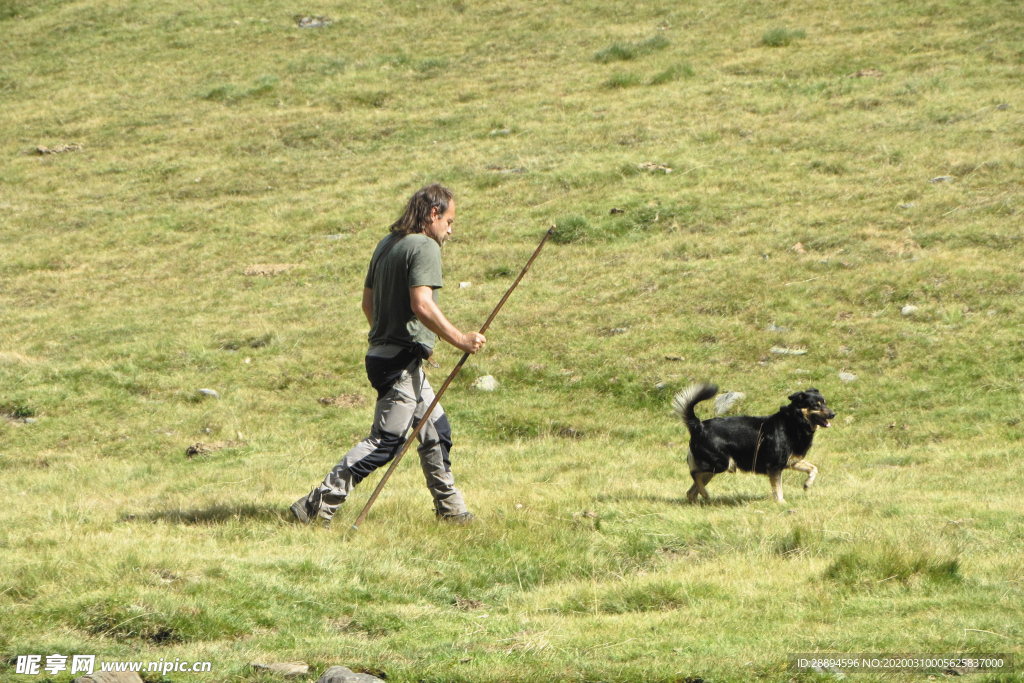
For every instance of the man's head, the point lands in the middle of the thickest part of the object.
(430, 211)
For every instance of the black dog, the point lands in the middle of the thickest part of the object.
(765, 445)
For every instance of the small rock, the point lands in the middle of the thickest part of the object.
(464, 285)
(660, 385)
(335, 237)
(783, 351)
(617, 330)
(500, 131)
(654, 168)
(908, 205)
(723, 402)
(616, 210)
(791, 511)
(312, 22)
(29, 420)
(942, 179)
(908, 310)
(110, 677)
(847, 376)
(485, 383)
(286, 669)
(59, 149)
(776, 328)
(1003, 107)
(799, 248)
(341, 674)
(519, 506)
(209, 392)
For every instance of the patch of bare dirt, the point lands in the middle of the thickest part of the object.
(200, 448)
(344, 401)
(268, 269)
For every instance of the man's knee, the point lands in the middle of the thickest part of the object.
(386, 445)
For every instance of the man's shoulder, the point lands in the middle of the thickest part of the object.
(417, 245)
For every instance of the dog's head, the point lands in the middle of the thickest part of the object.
(811, 404)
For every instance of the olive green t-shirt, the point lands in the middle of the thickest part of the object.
(414, 261)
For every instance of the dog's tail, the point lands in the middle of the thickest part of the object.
(685, 400)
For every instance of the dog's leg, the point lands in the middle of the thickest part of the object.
(702, 480)
(691, 495)
(810, 470)
(775, 477)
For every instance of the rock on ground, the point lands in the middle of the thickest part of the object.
(286, 669)
(485, 383)
(341, 674)
(268, 269)
(727, 400)
(110, 677)
(847, 376)
(908, 310)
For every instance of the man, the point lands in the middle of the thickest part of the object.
(400, 303)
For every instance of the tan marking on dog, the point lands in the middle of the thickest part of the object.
(731, 469)
(793, 460)
(807, 416)
(806, 467)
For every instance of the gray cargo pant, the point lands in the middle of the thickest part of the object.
(403, 396)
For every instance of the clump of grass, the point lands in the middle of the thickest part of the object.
(17, 409)
(861, 568)
(624, 52)
(651, 597)
(623, 80)
(372, 98)
(497, 272)
(570, 229)
(233, 93)
(673, 73)
(828, 167)
(248, 342)
(781, 37)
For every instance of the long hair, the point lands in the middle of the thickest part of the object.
(417, 211)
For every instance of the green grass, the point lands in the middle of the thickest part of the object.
(214, 137)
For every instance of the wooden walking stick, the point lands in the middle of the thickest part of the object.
(437, 397)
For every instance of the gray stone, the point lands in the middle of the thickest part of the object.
(942, 179)
(110, 677)
(341, 674)
(485, 383)
(908, 205)
(286, 669)
(209, 392)
(782, 351)
(727, 400)
(847, 376)
(776, 328)
(908, 310)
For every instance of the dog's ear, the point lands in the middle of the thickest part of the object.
(798, 396)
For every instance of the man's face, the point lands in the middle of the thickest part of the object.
(440, 228)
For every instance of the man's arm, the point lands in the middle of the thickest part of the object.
(368, 305)
(422, 300)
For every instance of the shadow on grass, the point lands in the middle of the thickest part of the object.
(215, 514)
(736, 500)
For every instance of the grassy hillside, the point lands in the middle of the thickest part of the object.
(831, 163)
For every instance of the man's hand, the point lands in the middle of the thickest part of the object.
(423, 306)
(472, 342)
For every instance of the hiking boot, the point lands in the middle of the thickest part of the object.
(461, 518)
(307, 508)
